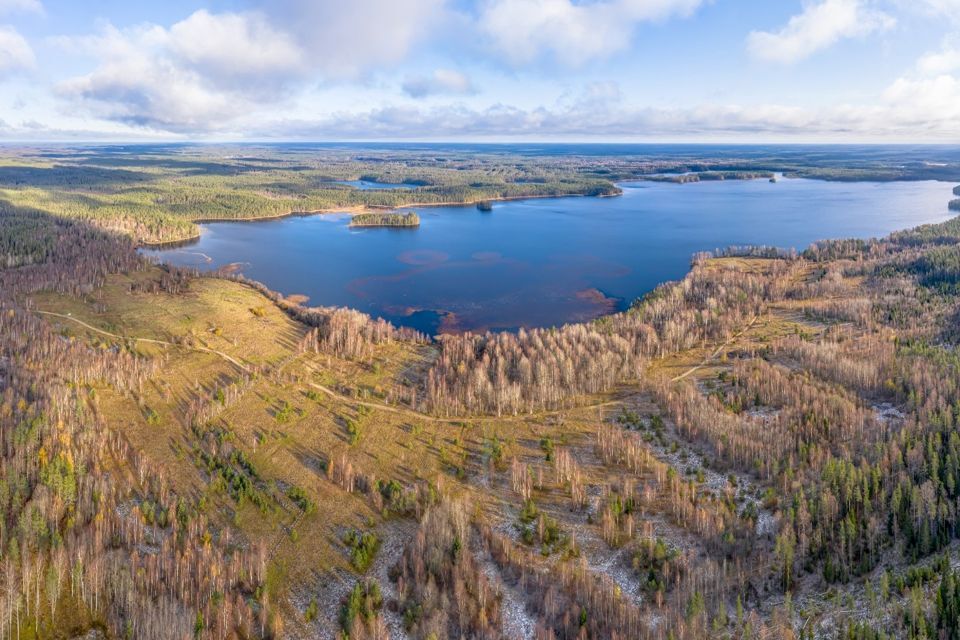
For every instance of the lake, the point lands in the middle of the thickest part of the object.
(544, 262)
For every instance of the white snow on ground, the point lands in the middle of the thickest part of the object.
(391, 548)
(517, 623)
(888, 414)
(333, 588)
(686, 458)
(613, 563)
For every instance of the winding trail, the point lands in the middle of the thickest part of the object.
(392, 408)
(167, 343)
(431, 418)
(328, 391)
(717, 351)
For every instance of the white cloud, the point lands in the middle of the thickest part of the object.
(730, 122)
(929, 99)
(232, 45)
(10, 6)
(820, 25)
(924, 104)
(228, 74)
(346, 38)
(948, 8)
(203, 72)
(142, 80)
(571, 32)
(440, 82)
(15, 51)
(935, 63)
(911, 109)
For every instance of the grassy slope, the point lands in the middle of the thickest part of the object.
(391, 445)
(312, 562)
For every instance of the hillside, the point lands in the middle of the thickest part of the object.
(697, 472)
(480, 320)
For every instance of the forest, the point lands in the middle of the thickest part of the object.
(158, 198)
(158, 194)
(410, 219)
(767, 448)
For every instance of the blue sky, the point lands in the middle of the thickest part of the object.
(498, 70)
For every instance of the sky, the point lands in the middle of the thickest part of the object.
(481, 70)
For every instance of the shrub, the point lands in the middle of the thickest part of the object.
(361, 605)
(284, 413)
(363, 548)
(300, 498)
(312, 610)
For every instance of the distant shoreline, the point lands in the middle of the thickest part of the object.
(354, 210)
(170, 244)
(611, 305)
(473, 203)
(358, 209)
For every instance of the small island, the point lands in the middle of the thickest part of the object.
(954, 205)
(485, 205)
(385, 220)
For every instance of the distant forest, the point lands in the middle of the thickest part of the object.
(157, 194)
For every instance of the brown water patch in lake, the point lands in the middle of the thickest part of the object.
(603, 303)
(449, 323)
(232, 268)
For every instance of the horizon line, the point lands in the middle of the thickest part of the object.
(154, 141)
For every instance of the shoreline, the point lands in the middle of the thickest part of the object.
(382, 226)
(473, 203)
(618, 308)
(172, 244)
(368, 208)
(354, 210)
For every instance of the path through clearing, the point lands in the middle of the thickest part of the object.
(223, 355)
(330, 392)
(716, 351)
(395, 409)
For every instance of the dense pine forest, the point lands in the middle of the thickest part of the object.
(767, 448)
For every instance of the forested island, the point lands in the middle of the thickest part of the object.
(394, 219)
(765, 449)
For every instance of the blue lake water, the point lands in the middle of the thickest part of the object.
(544, 262)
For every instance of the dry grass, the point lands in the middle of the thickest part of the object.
(295, 450)
(291, 433)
